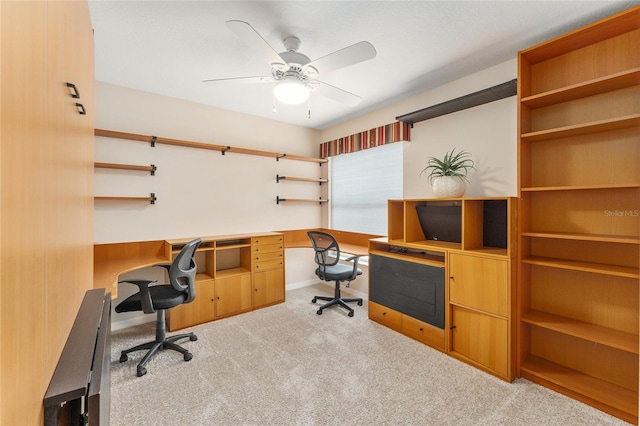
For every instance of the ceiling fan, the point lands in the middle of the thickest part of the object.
(294, 73)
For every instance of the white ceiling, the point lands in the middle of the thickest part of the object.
(169, 47)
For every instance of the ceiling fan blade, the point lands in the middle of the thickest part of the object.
(250, 36)
(259, 79)
(335, 93)
(359, 52)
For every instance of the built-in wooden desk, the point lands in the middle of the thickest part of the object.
(236, 273)
(110, 260)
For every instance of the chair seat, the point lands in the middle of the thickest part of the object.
(163, 297)
(337, 272)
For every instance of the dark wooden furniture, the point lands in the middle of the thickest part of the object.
(79, 391)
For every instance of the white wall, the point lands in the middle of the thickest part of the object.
(205, 193)
(200, 192)
(488, 132)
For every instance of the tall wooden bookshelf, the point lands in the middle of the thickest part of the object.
(579, 195)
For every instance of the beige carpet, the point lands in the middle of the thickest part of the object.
(285, 365)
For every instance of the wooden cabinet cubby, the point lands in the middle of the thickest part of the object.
(236, 274)
(477, 257)
(579, 230)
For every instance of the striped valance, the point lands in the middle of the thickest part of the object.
(394, 132)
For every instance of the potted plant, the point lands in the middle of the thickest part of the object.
(447, 176)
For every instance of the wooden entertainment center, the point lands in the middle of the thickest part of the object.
(467, 285)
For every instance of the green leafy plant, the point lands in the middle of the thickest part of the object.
(452, 164)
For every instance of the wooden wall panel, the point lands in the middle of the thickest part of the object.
(46, 204)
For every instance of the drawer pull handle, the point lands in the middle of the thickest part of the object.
(81, 109)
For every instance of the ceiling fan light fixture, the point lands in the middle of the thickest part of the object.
(291, 91)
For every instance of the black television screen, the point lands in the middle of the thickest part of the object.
(441, 221)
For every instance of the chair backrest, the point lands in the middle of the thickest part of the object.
(324, 243)
(182, 273)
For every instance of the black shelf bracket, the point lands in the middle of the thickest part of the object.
(153, 198)
(278, 178)
(154, 139)
(278, 199)
(280, 156)
(225, 150)
(491, 94)
(153, 169)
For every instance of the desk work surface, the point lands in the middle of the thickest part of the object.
(353, 243)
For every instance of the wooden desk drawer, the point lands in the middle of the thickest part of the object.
(385, 316)
(274, 239)
(267, 248)
(423, 332)
(272, 255)
(268, 264)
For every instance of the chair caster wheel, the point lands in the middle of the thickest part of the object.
(360, 303)
(314, 300)
(350, 314)
(193, 337)
(188, 356)
(141, 371)
(319, 312)
(124, 358)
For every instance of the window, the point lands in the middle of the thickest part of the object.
(360, 184)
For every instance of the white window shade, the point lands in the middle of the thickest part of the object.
(360, 184)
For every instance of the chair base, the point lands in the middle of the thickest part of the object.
(159, 344)
(336, 300)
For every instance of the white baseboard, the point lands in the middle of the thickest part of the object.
(130, 322)
(300, 284)
(331, 285)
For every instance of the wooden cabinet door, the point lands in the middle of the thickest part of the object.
(479, 282)
(233, 294)
(268, 287)
(385, 316)
(200, 310)
(481, 338)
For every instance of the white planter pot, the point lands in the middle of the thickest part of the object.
(448, 187)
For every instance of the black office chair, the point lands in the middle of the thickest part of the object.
(158, 298)
(330, 270)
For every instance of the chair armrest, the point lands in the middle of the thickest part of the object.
(355, 260)
(145, 295)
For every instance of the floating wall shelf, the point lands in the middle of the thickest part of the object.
(495, 93)
(151, 199)
(151, 168)
(153, 140)
(301, 179)
(306, 200)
